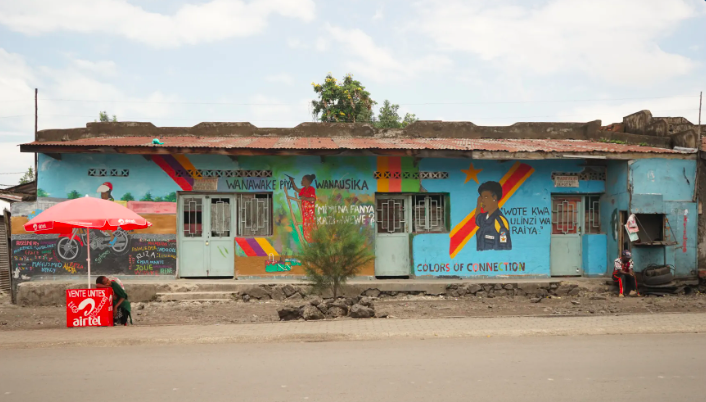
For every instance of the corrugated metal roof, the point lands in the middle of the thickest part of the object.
(361, 143)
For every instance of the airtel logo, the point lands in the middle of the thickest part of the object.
(85, 303)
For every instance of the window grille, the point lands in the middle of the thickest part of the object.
(193, 214)
(220, 217)
(255, 214)
(429, 213)
(391, 216)
(593, 214)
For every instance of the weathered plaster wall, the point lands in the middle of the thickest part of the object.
(527, 209)
(615, 199)
(594, 252)
(150, 186)
(667, 187)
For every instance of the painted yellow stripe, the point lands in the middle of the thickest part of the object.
(266, 247)
(463, 243)
(510, 172)
(505, 222)
(512, 190)
(463, 222)
(186, 163)
(500, 204)
(383, 166)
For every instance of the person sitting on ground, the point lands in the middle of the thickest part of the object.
(121, 305)
(624, 275)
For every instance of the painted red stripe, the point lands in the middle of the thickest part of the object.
(168, 170)
(395, 166)
(458, 238)
(243, 243)
(256, 248)
(511, 182)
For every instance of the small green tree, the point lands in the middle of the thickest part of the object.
(127, 197)
(73, 195)
(104, 118)
(41, 193)
(338, 250)
(28, 177)
(171, 197)
(388, 117)
(147, 197)
(344, 102)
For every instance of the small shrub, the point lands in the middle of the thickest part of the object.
(339, 249)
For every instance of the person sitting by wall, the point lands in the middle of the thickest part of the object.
(121, 305)
(624, 275)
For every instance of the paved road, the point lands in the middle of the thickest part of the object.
(377, 329)
(575, 368)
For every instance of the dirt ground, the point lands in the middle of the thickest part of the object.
(13, 317)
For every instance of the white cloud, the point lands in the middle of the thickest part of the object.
(78, 80)
(378, 14)
(321, 44)
(191, 24)
(282, 78)
(295, 43)
(266, 111)
(103, 67)
(613, 40)
(379, 63)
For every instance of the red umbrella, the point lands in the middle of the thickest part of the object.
(86, 213)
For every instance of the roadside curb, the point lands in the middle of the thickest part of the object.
(357, 330)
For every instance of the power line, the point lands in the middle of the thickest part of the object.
(271, 120)
(401, 104)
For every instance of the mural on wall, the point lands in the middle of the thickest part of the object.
(493, 195)
(121, 253)
(493, 229)
(255, 247)
(503, 208)
(307, 205)
(397, 175)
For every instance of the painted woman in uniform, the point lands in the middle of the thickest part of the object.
(493, 228)
(307, 195)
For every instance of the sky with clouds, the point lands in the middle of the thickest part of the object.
(492, 62)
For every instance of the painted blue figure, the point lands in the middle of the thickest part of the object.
(493, 229)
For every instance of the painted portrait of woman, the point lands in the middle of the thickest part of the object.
(307, 195)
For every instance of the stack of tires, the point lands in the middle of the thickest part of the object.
(658, 280)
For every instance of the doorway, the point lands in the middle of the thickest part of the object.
(393, 217)
(566, 241)
(206, 235)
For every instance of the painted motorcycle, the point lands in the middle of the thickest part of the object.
(72, 247)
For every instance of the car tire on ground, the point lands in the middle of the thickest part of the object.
(657, 280)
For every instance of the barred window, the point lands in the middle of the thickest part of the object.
(430, 213)
(255, 214)
(593, 214)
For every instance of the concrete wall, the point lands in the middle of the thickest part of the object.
(615, 199)
(594, 252)
(527, 209)
(667, 187)
(150, 187)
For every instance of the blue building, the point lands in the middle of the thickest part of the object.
(435, 198)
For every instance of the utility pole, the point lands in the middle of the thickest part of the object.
(36, 176)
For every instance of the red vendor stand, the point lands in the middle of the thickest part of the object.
(89, 307)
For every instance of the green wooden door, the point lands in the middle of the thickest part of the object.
(206, 235)
(566, 241)
(393, 221)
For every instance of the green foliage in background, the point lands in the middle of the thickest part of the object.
(344, 101)
(338, 250)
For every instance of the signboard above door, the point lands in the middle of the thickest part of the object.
(566, 181)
